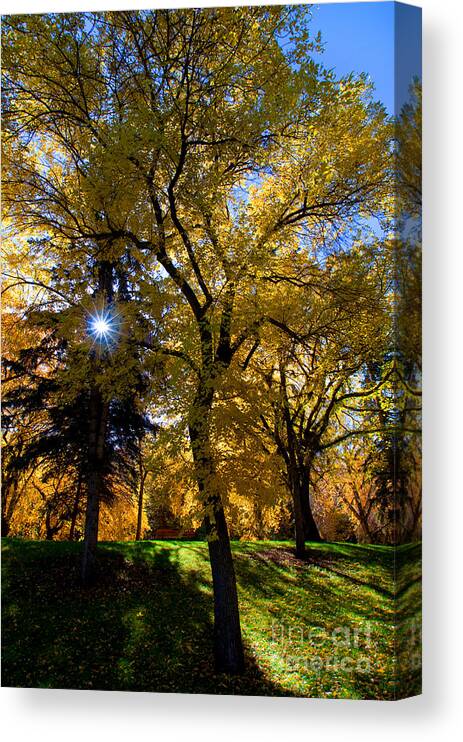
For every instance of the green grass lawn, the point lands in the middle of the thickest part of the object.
(326, 627)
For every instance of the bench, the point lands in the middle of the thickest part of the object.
(174, 533)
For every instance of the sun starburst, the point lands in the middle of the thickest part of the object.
(103, 327)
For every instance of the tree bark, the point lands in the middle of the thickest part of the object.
(305, 527)
(228, 645)
(97, 439)
(98, 415)
(5, 526)
(311, 531)
(75, 509)
(299, 522)
(49, 530)
(91, 528)
(141, 491)
(10, 497)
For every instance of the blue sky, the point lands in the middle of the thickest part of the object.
(359, 37)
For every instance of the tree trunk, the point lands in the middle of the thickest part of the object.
(368, 535)
(97, 439)
(10, 497)
(258, 520)
(49, 530)
(228, 645)
(98, 415)
(140, 502)
(75, 509)
(5, 526)
(305, 528)
(299, 522)
(311, 531)
(91, 528)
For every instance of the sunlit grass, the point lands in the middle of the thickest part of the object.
(325, 627)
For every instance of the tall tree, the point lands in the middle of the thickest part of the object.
(317, 368)
(206, 142)
(83, 404)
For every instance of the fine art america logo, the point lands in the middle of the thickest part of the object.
(344, 649)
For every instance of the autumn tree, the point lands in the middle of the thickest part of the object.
(208, 144)
(330, 322)
(56, 383)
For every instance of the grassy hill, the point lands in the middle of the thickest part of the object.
(325, 627)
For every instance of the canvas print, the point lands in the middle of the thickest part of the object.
(211, 350)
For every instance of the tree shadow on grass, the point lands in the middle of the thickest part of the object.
(144, 625)
(337, 593)
(383, 569)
